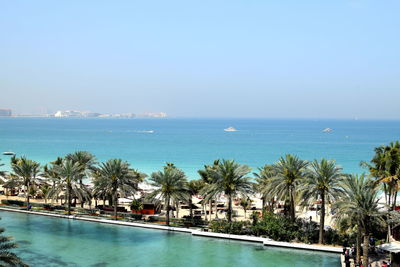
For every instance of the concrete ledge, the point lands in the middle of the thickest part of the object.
(232, 237)
(262, 240)
(74, 217)
(302, 246)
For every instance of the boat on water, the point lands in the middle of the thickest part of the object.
(327, 130)
(230, 129)
(9, 153)
(145, 131)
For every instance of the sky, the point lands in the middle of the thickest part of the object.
(250, 58)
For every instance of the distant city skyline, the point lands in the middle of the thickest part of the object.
(269, 59)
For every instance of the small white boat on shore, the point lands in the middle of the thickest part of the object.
(327, 130)
(9, 153)
(230, 129)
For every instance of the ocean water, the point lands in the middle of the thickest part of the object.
(192, 143)
(45, 241)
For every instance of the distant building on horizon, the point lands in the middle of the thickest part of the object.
(87, 114)
(4, 112)
(76, 114)
(68, 113)
(153, 115)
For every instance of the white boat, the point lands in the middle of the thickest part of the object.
(9, 153)
(230, 129)
(327, 130)
(145, 131)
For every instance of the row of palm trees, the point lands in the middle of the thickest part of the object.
(292, 180)
(65, 176)
(353, 198)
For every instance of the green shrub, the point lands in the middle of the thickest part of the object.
(277, 227)
(13, 202)
(334, 237)
(136, 216)
(235, 228)
(196, 221)
(307, 231)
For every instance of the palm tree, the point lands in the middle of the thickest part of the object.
(8, 258)
(66, 180)
(263, 178)
(245, 203)
(359, 203)
(322, 182)
(171, 186)
(136, 205)
(45, 189)
(85, 159)
(229, 178)
(26, 171)
(289, 172)
(385, 168)
(87, 162)
(99, 189)
(194, 187)
(51, 173)
(205, 175)
(116, 178)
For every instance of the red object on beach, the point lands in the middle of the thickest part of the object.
(148, 209)
(144, 211)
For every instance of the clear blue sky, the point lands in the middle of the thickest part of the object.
(325, 59)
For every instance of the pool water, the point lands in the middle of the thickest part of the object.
(46, 241)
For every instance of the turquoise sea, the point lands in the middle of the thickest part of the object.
(191, 143)
(46, 241)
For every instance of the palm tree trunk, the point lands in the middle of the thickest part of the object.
(167, 215)
(69, 199)
(358, 245)
(389, 233)
(52, 200)
(210, 208)
(115, 200)
(292, 207)
(110, 199)
(177, 210)
(27, 193)
(229, 208)
(216, 209)
(322, 219)
(273, 204)
(191, 208)
(81, 185)
(365, 249)
(263, 199)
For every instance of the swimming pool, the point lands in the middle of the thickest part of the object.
(46, 241)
